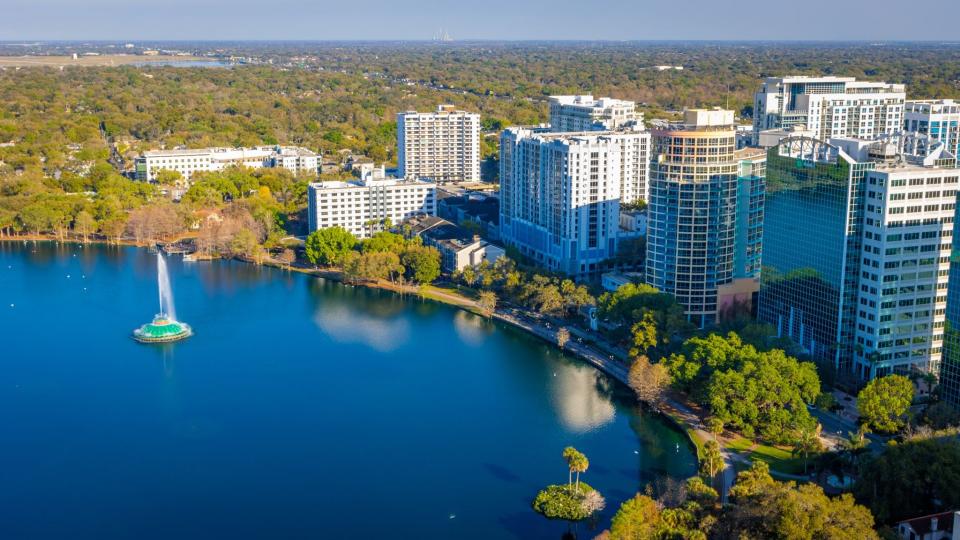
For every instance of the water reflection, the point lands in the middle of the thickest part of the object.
(581, 396)
(354, 316)
(471, 329)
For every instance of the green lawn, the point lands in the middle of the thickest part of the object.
(779, 459)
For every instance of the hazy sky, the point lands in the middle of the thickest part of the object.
(483, 19)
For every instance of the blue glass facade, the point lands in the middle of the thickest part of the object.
(950, 361)
(751, 186)
(811, 247)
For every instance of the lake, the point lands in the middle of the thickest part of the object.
(301, 408)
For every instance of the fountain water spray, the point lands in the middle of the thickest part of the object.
(165, 326)
(166, 292)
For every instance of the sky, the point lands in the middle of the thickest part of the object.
(936, 20)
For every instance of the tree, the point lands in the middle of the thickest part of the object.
(712, 459)
(287, 257)
(883, 403)
(941, 415)
(753, 392)
(244, 244)
(422, 263)
(329, 246)
(644, 334)
(805, 443)
(573, 501)
(715, 426)
(648, 381)
(487, 301)
(637, 519)
(914, 478)
(577, 463)
(563, 336)
(765, 508)
(84, 224)
(372, 266)
(384, 241)
(566, 503)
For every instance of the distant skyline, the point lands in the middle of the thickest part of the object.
(132, 20)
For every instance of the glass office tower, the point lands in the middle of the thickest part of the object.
(811, 247)
(950, 360)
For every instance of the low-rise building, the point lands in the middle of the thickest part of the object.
(458, 247)
(187, 162)
(942, 526)
(479, 209)
(634, 221)
(611, 281)
(369, 205)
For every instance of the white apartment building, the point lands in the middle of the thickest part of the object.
(909, 208)
(188, 162)
(584, 113)
(363, 207)
(830, 107)
(560, 196)
(443, 146)
(938, 119)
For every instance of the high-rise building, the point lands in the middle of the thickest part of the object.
(584, 113)
(443, 146)
(365, 207)
(855, 242)
(692, 210)
(560, 196)
(187, 162)
(950, 361)
(939, 119)
(829, 106)
(573, 114)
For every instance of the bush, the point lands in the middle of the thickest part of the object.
(563, 502)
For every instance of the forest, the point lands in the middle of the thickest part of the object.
(73, 132)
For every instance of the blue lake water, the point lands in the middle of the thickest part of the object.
(299, 409)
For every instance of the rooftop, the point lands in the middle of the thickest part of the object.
(924, 524)
(232, 153)
(353, 184)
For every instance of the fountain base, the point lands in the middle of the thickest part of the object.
(162, 330)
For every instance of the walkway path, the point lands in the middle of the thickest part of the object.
(677, 411)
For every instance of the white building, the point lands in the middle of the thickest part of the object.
(829, 106)
(188, 162)
(443, 145)
(560, 196)
(364, 207)
(938, 119)
(584, 113)
(905, 259)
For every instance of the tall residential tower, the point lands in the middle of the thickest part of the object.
(443, 146)
(692, 212)
(560, 196)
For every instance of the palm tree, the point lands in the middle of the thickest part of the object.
(712, 458)
(577, 462)
(807, 442)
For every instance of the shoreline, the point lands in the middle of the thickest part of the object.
(673, 412)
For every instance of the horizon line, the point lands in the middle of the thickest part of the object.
(36, 41)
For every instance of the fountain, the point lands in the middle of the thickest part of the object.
(165, 327)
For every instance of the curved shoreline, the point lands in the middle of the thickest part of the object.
(674, 412)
